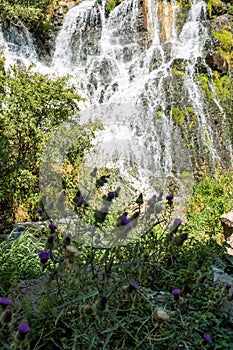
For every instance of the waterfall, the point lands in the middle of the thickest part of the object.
(17, 45)
(127, 77)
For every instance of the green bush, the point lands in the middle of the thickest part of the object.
(211, 198)
(33, 105)
(30, 11)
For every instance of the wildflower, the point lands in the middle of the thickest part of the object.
(4, 302)
(67, 240)
(101, 181)
(52, 227)
(184, 237)
(100, 215)
(139, 200)
(23, 330)
(101, 303)
(161, 315)
(6, 316)
(176, 293)
(228, 286)
(133, 285)
(169, 199)
(79, 200)
(39, 211)
(111, 196)
(44, 256)
(50, 242)
(203, 278)
(123, 220)
(150, 279)
(207, 338)
(50, 239)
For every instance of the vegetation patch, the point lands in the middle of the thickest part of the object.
(214, 7)
(225, 38)
(158, 292)
(204, 81)
(178, 115)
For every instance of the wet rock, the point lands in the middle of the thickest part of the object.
(218, 63)
(227, 223)
(223, 21)
(228, 306)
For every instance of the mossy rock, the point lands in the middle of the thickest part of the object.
(216, 8)
(178, 115)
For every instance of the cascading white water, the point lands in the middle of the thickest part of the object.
(112, 66)
(17, 46)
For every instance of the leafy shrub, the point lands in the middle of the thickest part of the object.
(31, 12)
(33, 105)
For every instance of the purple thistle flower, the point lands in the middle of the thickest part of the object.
(50, 239)
(111, 196)
(23, 329)
(133, 285)
(176, 293)
(150, 279)
(81, 201)
(44, 256)
(228, 286)
(52, 227)
(169, 197)
(207, 338)
(39, 211)
(4, 302)
(123, 220)
(184, 237)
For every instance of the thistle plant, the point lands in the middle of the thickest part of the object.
(156, 292)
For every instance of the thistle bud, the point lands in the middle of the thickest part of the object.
(100, 304)
(6, 316)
